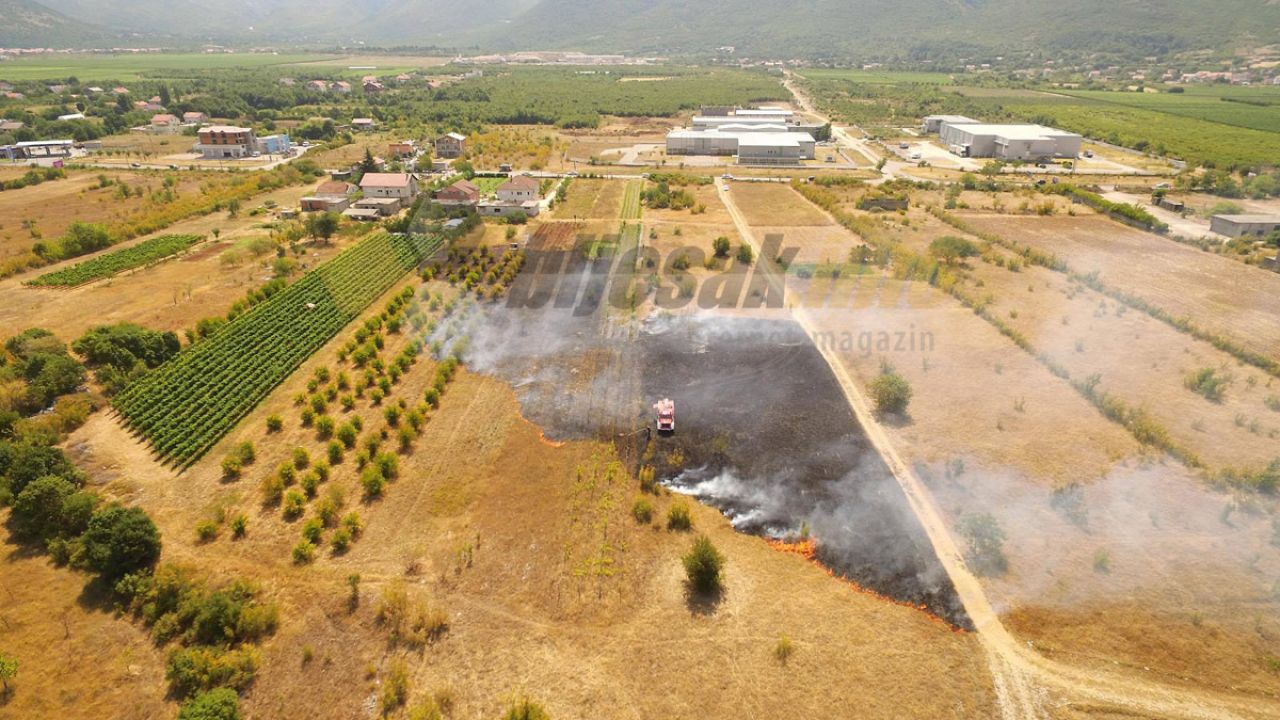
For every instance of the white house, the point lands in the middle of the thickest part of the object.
(402, 186)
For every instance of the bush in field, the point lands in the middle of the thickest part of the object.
(239, 525)
(372, 481)
(395, 687)
(294, 503)
(678, 516)
(274, 423)
(231, 468)
(219, 704)
(746, 255)
(196, 669)
(304, 552)
(121, 540)
(206, 531)
(704, 567)
(301, 458)
(642, 511)
(334, 452)
(324, 427)
(891, 392)
(1209, 383)
(526, 709)
(720, 246)
(985, 539)
(347, 435)
(951, 249)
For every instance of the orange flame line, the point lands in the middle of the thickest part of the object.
(808, 549)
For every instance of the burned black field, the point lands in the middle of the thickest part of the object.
(763, 432)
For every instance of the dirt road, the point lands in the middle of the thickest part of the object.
(1021, 676)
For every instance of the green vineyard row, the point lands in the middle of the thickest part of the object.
(186, 405)
(104, 266)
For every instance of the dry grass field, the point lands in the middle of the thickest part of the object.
(169, 296)
(1215, 292)
(1150, 572)
(775, 204)
(550, 587)
(592, 199)
(52, 206)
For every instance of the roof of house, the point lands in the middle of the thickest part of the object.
(361, 213)
(1013, 131)
(12, 125)
(1250, 218)
(454, 136)
(365, 202)
(193, 114)
(520, 182)
(225, 129)
(391, 180)
(462, 186)
(335, 187)
(163, 119)
(361, 121)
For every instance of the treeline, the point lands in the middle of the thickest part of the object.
(211, 626)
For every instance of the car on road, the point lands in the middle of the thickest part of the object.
(135, 165)
(915, 156)
(903, 146)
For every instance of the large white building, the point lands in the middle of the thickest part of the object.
(1009, 142)
(754, 135)
(933, 123)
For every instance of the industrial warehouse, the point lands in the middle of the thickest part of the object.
(757, 136)
(970, 138)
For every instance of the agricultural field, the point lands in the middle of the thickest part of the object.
(593, 199)
(112, 263)
(132, 67)
(1215, 293)
(1193, 126)
(991, 454)
(188, 405)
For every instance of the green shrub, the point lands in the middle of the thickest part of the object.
(294, 503)
(304, 552)
(395, 686)
(746, 255)
(231, 468)
(347, 435)
(678, 516)
(239, 525)
(373, 483)
(784, 649)
(246, 452)
(301, 458)
(274, 423)
(324, 427)
(334, 451)
(341, 540)
(1209, 383)
(312, 530)
(642, 511)
(704, 567)
(891, 392)
(206, 531)
(272, 490)
(217, 704)
(310, 483)
(196, 669)
(121, 540)
(985, 539)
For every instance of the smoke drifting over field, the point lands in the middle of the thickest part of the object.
(763, 431)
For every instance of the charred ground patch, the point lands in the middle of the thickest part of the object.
(763, 431)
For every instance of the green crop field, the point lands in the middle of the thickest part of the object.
(131, 67)
(1256, 110)
(1227, 126)
(631, 200)
(104, 266)
(880, 77)
(488, 185)
(186, 405)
